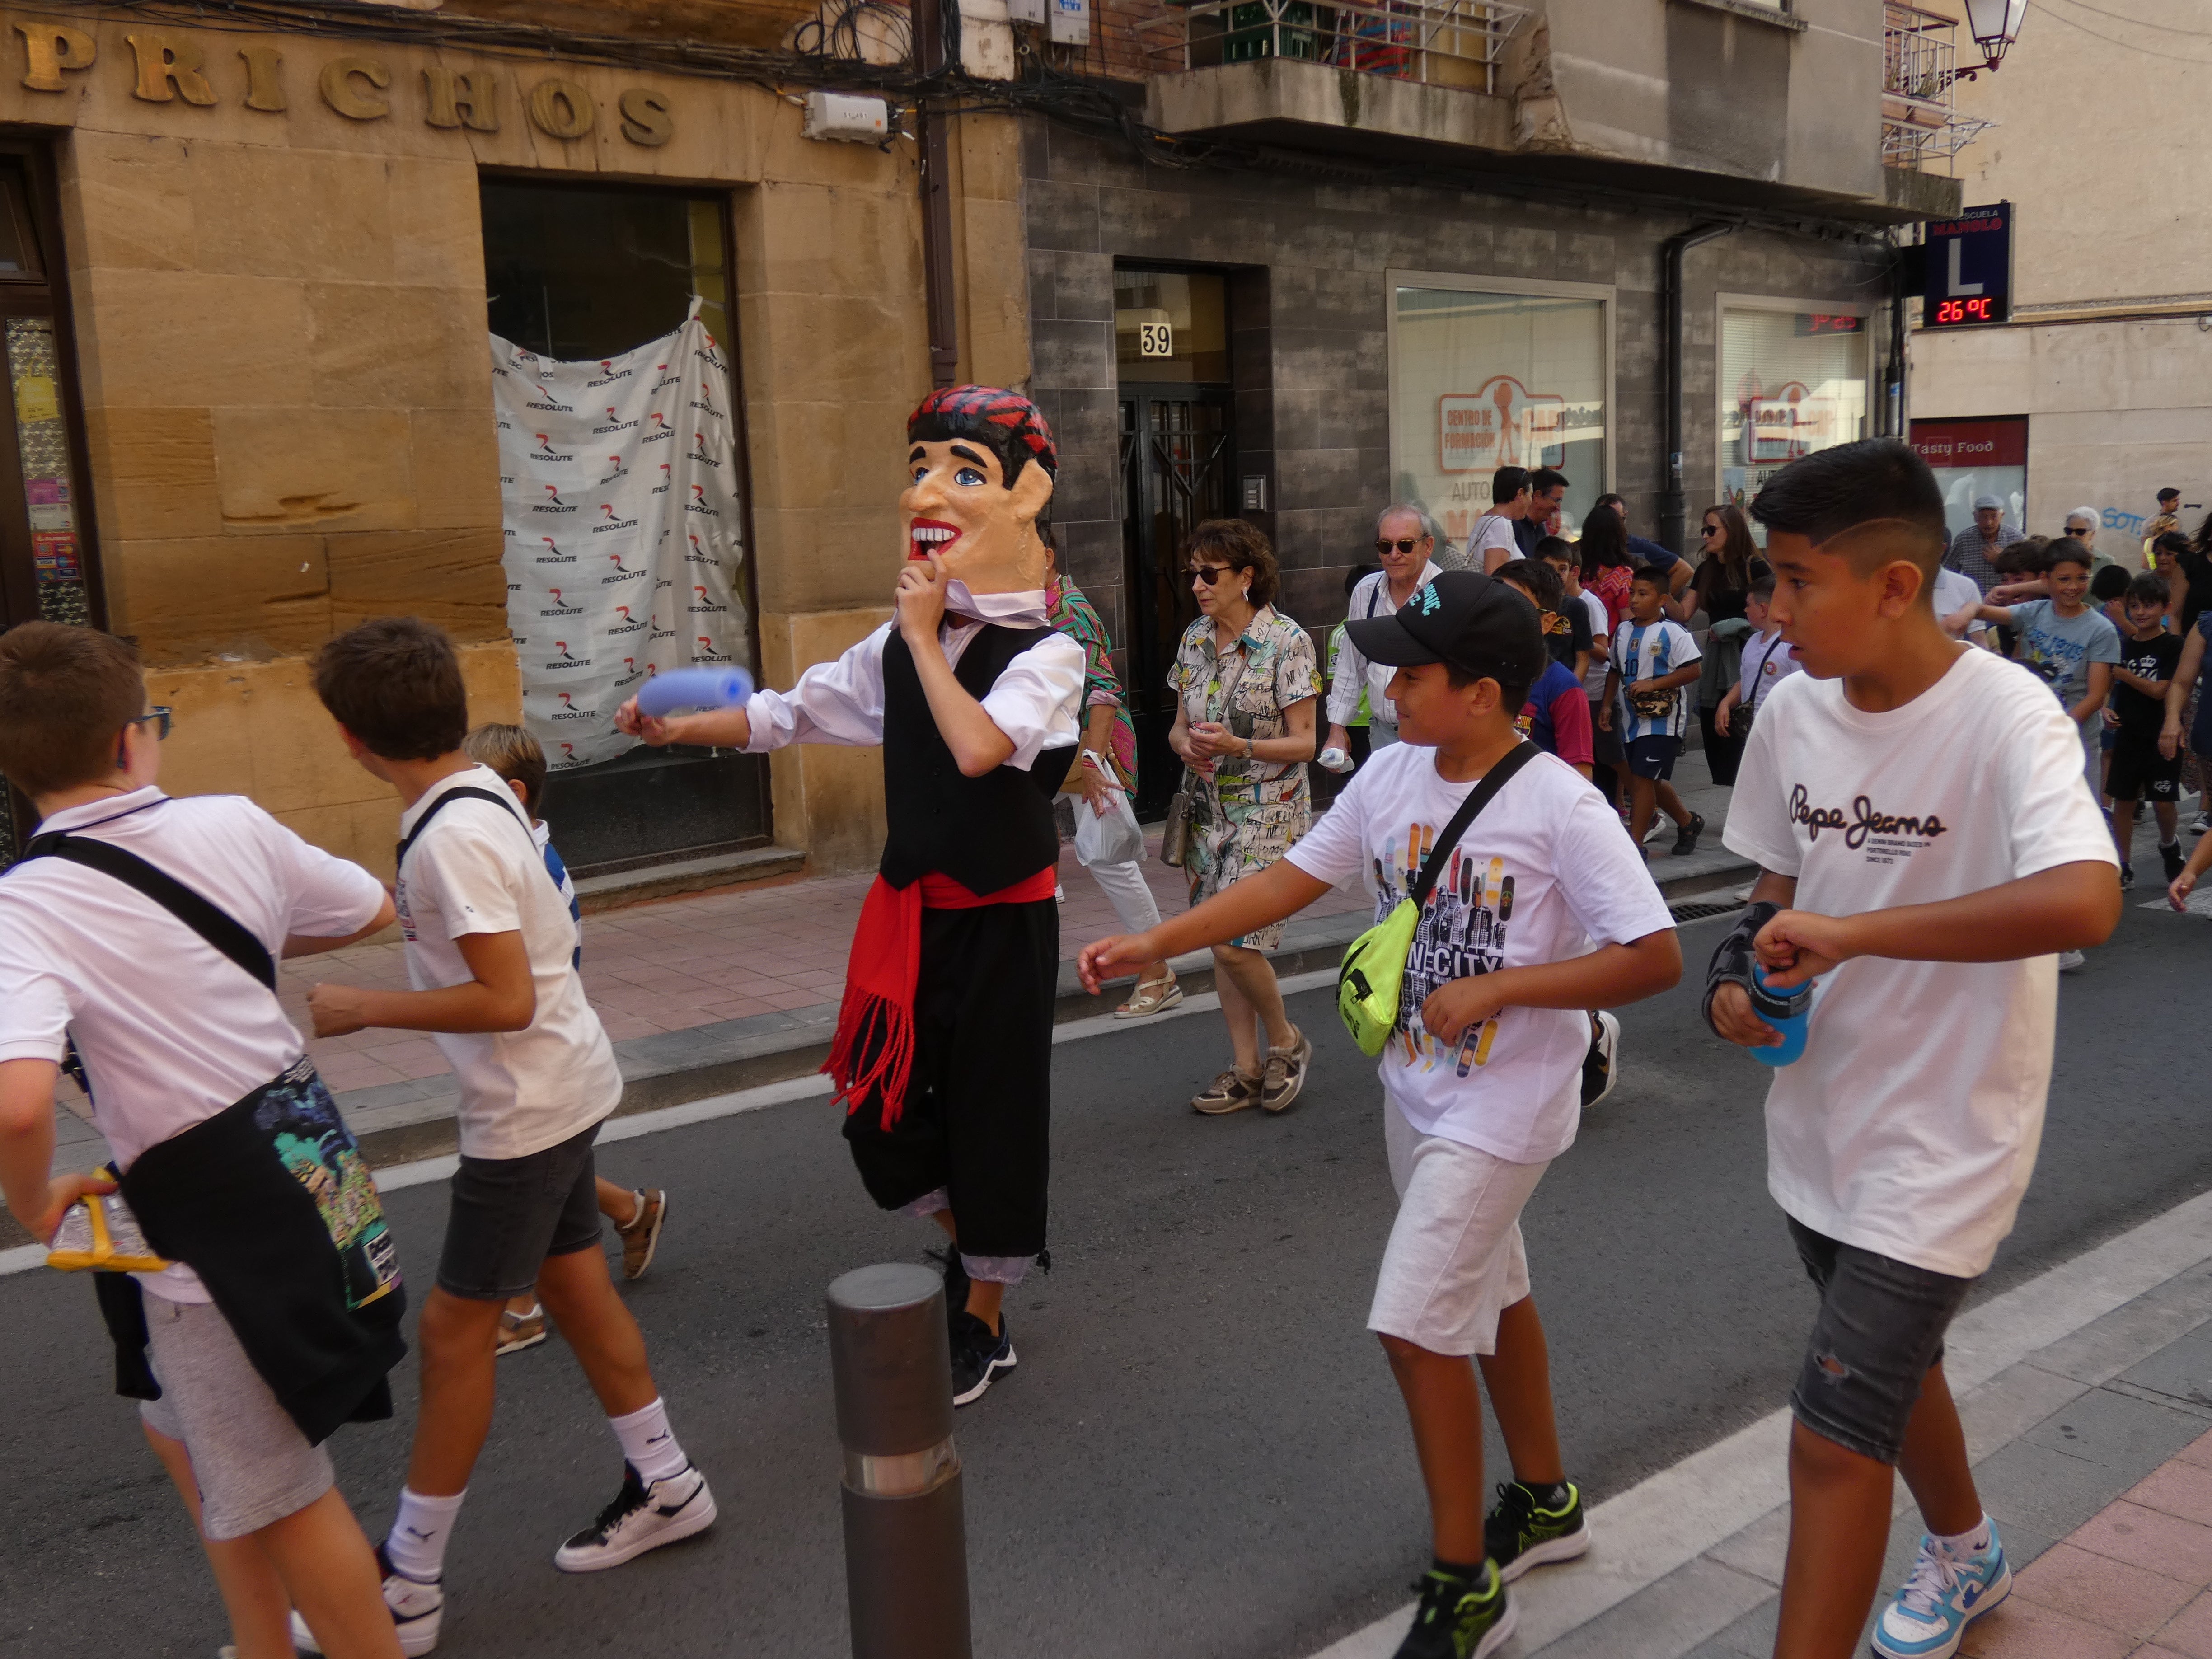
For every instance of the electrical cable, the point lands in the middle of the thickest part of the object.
(2142, 23)
(2125, 45)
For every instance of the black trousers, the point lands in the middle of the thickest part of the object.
(1722, 755)
(978, 1115)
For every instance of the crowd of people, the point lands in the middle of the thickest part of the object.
(1510, 712)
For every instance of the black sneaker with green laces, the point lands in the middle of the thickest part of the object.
(1460, 1617)
(1532, 1526)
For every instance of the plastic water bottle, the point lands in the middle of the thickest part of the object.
(693, 688)
(1335, 759)
(1789, 1013)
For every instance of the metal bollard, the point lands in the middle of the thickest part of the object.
(905, 1546)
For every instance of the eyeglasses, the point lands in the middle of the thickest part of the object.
(1210, 575)
(1404, 544)
(158, 712)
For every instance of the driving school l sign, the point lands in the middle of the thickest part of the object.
(1969, 269)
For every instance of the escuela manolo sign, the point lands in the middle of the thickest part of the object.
(165, 68)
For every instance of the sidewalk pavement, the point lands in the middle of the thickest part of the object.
(704, 992)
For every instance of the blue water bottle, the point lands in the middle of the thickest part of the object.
(1789, 1013)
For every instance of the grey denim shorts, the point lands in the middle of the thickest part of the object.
(1879, 1333)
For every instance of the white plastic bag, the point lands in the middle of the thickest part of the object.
(1113, 839)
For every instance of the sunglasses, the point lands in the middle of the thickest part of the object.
(2078, 529)
(1404, 544)
(158, 712)
(1210, 575)
(1710, 530)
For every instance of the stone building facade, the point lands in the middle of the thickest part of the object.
(267, 254)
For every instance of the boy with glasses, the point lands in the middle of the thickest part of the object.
(278, 1317)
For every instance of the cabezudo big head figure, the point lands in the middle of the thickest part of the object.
(980, 466)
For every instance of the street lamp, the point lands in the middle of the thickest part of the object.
(1994, 25)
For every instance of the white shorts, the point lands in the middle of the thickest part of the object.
(1456, 1259)
(252, 1464)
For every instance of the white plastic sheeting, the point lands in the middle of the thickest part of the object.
(624, 548)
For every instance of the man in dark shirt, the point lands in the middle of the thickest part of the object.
(1547, 490)
(2148, 655)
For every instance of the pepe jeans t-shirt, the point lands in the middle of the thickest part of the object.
(1543, 874)
(1911, 1126)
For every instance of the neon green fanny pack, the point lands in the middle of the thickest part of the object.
(1371, 980)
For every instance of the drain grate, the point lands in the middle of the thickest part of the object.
(1698, 909)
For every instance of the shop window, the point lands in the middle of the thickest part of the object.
(580, 275)
(1170, 326)
(1481, 380)
(1792, 381)
(1971, 459)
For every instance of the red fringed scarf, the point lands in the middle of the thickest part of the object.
(873, 1050)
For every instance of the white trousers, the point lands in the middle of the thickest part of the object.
(1126, 892)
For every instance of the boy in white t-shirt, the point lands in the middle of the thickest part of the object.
(1482, 1073)
(1767, 657)
(85, 958)
(490, 953)
(1927, 842)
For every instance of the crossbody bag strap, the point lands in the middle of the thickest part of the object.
(467, 792)
(209, 920)
(1477, 797)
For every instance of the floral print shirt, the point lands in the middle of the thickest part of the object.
(1278, 669)
(1068, 610)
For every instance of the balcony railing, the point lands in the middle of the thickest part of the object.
(1920, 122)
(1455, 43)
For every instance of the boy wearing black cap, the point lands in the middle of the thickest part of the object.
(1482, 1072)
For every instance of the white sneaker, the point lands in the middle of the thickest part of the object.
(417, 1609)
(2072, 962)
(641, 1517)
(1601, 1068)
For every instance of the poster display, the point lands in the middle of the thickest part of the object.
(1481, 380)
(1971, 459)
(42, 447)
(623, 544)
(1792, 382)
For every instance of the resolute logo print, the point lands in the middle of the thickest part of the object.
(631, 673)
(545, 452)
(661, 430)
(698, 502)
(705, 650)
(569, 711)
(615, 521)
(704, 606)
(625, 622)
(615, 423)
(561, 607)
(622, 573)
(552, 503)
(608, 375)
(565, 661)
(617, 470)
(699, 452)
(548, 403)
(553, 553)
(661, 489)
(699, 555)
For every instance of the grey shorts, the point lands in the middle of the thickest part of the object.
(1879, 1333)
(508, 1214)
(252, 1464)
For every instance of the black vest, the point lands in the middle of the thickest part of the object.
(986, 833)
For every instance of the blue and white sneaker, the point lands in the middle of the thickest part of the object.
(1945, 1593)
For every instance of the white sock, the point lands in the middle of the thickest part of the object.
(649, 1443)
(416, 1543)
(1970, 1543)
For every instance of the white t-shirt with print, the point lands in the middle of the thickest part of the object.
(171, 1031)
(1911, 1126)
(477, 870)
(1652, 651)
(1542, 872)
(1593, 676)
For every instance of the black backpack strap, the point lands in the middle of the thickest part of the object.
(1477, 797)
(467, 792)
(209, 920)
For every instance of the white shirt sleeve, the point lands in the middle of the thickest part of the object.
(1608, 888)
(1757, 816)
(34, 997)
(1350, 676)
(2045, 802)
(1035, 699)
(462, 870)
(1335, 849)
(326, 896)
(835, 702)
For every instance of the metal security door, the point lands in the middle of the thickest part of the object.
(1177, 452)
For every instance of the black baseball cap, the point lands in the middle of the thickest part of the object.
(1463, 619)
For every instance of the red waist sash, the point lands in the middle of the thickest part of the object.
(873, 1048)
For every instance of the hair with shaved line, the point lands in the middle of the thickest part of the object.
(1873, 502)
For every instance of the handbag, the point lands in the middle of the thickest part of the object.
(1373, 971)
(1175, 832)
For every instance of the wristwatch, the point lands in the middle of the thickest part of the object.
(1251, 749)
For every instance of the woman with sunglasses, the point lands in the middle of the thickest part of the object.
(1245, 684)
(1722, 589)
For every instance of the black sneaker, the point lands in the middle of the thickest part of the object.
(642, 1516)
(1459, 1618)
(1599, 1074)
(1526, 1531)
(956, 1284)
(1686, 836)
(978, 1356)
(2127, 876)
(2169, 854)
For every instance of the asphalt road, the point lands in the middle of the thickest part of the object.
(1201, 1453)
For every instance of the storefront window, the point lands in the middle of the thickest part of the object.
(1792, 382)
(1170, 326)
(1481, 380)
(1971, 459)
